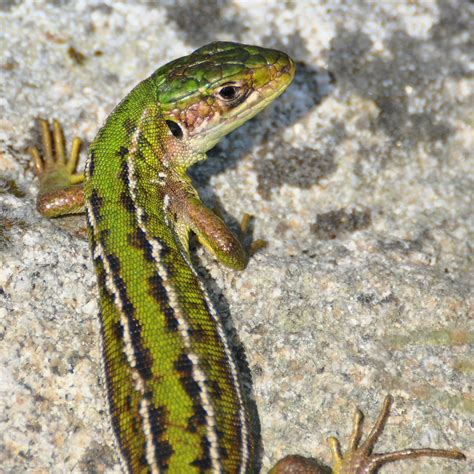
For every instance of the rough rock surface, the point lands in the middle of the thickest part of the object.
(361, 181)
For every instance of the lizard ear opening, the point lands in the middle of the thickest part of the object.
(175, 129)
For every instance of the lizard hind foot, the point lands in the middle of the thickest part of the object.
(359, 458)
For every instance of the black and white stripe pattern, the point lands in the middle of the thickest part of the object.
(198, 374)
(133, 348)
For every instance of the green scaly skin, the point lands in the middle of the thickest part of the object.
(173, 388)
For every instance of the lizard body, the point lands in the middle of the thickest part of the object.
(173, 387)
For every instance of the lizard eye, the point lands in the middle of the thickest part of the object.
(175, 129)
(229, 92)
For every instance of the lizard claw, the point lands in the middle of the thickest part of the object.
(359, 458)
(56, 173)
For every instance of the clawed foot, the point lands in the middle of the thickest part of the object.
(255, 245)
(359, 458)
(59, 191)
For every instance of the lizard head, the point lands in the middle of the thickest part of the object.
(214, 90)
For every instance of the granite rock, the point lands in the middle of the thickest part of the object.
(360, 178)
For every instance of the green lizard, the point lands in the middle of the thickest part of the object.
(172, 384)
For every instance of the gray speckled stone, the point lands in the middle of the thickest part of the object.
(361, 181)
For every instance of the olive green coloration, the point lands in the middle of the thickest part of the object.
(173, 387)
(174, 391)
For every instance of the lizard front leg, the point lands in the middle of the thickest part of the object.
(188, 213)
(61, 190)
